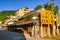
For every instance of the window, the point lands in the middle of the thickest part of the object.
(46, 12)
(43, 21)
(51, 21)
(46, 21)
(46, 17)
(43, 16)
(51, 17)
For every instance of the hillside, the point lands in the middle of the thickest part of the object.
(3, 14)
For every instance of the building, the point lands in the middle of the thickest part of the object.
(0, 24)
(10, 20)
(22, 11)
(47, 22)
(42, 21)
(37, 23)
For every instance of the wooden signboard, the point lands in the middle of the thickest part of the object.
(47, 17)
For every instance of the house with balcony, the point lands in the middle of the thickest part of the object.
(36, 23)
(22, 11)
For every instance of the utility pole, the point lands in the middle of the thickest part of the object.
(52, 3)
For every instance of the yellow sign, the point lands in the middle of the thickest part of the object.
(47, 17)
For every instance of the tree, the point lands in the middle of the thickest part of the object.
(51, 7)
(56, 9)
(38, 7)
(47, 6)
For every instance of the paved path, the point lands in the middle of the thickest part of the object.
(28, 37)
(57, 37)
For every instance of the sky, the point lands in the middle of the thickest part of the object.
(17, 4)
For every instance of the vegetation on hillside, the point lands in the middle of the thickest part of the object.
(4, 14)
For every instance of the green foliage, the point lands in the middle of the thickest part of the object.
(59, 20)
(49, 6)
(3, 14)
(38, 7)
(56, 9)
